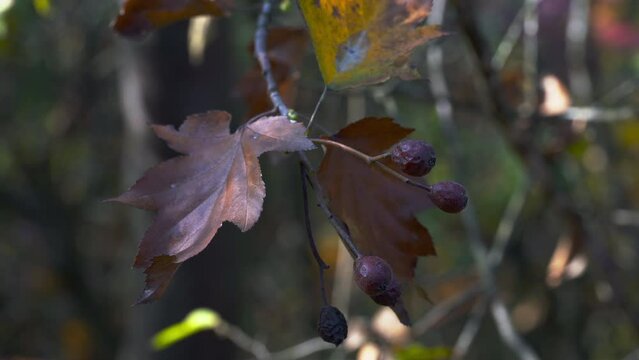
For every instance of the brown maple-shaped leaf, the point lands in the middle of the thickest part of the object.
(286, 47)
(138, 17)
(218, 179)
(378, 209)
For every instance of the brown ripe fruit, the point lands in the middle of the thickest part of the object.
(414, 157)
(332, 326)
(449, 196)
(372, 274)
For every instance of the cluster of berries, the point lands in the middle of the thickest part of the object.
(417, 158)
(373, 275)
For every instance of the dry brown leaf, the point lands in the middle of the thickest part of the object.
(138, 17)
(218, 180)
(378, 209)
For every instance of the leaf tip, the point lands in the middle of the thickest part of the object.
(158, 275)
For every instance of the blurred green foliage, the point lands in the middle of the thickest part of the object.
(197, 320)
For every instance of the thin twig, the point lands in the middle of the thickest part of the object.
(599, 114)
(441, 310)
(261, 53)
(309, 232)
(321, 128)
(319, 102)
(303, 349)
(507, 224)
(508, 42)
(340, 227)
(495, 255)
(508, 332)
(373, 160)
(242, 340)
(470, 330)
(262, 56)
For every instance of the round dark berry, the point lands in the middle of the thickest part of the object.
(414, 157)
(449, 196)
(390, 296)
(372, 274)
(332, 326)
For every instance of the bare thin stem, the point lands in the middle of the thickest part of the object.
(261, 53)
(507, 224)
(372, 160)
(262, 57)
(508, 42)
(340, 227)
(508, 332)
(242, 340)
(470, 330)
(302, 350)
(319, 102)
(309, 232)
(380, 156)
(441, 310)
(260, 351)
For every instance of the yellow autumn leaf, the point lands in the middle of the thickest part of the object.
(363, 42)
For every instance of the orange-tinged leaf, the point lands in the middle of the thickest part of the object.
(378, 209)
(218, 180)
(137, 17)
(363, 42)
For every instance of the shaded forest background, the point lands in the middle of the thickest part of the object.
(76, 101)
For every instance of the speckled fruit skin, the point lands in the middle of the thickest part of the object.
(372, 274)
(414, 157)
(332, 326)
(449, 196)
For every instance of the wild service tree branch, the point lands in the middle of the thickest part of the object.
(262, 57)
